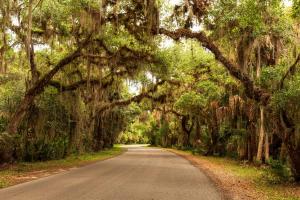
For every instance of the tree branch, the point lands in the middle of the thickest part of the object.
(171, 111)
(104, 84)
(38, 88)
(290, 71)
(138, 98)
(64, 88)
(252, 91)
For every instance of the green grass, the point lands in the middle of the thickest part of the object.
(262, 179)
(8, 176)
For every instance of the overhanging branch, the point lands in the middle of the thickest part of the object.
(137, 98)
(290, 71)
(252, 91)
(103, 83)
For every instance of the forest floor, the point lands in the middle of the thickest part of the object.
(240, 181)
(28, 171)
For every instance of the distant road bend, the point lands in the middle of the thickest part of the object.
(139, 174)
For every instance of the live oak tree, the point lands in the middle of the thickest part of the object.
(68, 46)
(251, 25)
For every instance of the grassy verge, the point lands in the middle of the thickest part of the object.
(26, 171)
(259, 181)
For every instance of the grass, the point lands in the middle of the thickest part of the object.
(261, 179)
(11, 175)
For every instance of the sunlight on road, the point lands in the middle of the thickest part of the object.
(132, 145)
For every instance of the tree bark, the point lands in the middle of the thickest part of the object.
(261, 135)
(267, 147)
(244, 50)
(293, 149)
(198, 133)
(30, 47)
(186, 130)
(294, 155)
(258, 65)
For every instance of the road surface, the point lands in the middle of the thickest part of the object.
(139, 174)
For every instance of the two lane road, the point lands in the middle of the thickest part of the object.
(139, 174)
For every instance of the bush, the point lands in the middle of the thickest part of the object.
(7, 143)
(279, 172)
(41, 149)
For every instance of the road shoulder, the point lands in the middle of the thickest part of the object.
(240, 181)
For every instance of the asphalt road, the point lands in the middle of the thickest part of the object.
(139, 174)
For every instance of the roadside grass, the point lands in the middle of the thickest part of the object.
(261, 179)
(25, 171)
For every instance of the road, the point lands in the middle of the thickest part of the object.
(139, 174)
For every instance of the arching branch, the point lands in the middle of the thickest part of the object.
(138, 98)
(65, 88)
(105, 82)
(39, 87)
(252, 91)
(290, 71)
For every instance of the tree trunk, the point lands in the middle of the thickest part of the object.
(258, 65)
(30, 47)
(261, 135)
(249, 149)
(2, 71)
(292, 148)
(283, 152)
(37, 89)
(212, 149)
(3, 49)
(74, 123)
(244, 51)
(251, 131)
(98, 134)
(267, 147)
(18, 116)
(198, 133)
(294, 154)
(186, 130)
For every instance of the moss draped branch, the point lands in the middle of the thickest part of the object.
(138, 98)
(170, 111)
(252, 91)
(65, 88)
(39, 87)
(106, 82)
(290, 71)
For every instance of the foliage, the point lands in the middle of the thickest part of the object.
(79, 75)
(296, 8)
